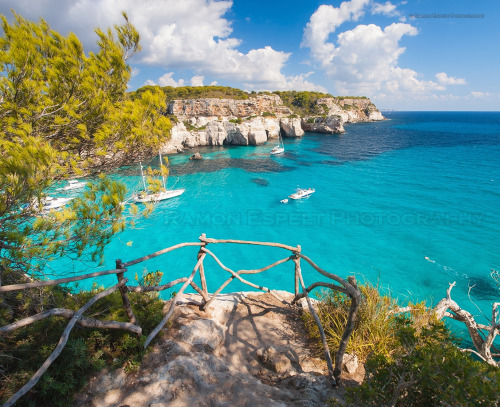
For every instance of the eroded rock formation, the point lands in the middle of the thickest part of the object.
(253, 121)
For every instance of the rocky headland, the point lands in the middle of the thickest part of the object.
(247, 349)
(254, 121)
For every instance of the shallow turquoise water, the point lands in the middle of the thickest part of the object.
(411, 203)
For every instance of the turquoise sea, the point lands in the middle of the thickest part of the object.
(411, 204)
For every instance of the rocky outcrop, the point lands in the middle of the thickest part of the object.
(210, 131)
(291, 127)
(253, 121)
(326, 125)
(352, 110)
(232, 354)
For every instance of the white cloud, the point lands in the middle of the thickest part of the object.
(363, 60)
(480, 95)
(187, 34)
(387, 9)
(324, 22)
(167, 80)
(197, 80)
(149, 82)
(444, 79)
(213, 83)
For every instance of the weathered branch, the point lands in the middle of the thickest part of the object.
(483, 346)
(60, 346)
(349, 327)
(124, 293)
(68, 314)
(159, 253)
(152, 288)
(45, 283)
(174, 300)
(351, 290)
(321, 330)
(237, 275)
(283, 246)
(320, 284)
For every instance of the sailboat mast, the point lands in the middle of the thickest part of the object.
(142, 175)
(161, 167)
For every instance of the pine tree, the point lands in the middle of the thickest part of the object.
(65, 113)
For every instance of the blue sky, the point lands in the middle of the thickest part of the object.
(444, 57)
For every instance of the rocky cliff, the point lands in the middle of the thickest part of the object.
(253, 121)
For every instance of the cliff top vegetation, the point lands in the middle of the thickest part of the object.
(300, 102)
(195, 92)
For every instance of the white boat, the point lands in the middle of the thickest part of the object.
(158, 196)
(279, 148)
(72, 184)
(144, 196)
(50, 203)
(284, 200)
(302, 193)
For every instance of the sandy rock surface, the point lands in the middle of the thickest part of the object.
(247, 349)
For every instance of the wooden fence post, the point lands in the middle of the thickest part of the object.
(203, 280)
(123, 292)
(349, 327)
(296, 260)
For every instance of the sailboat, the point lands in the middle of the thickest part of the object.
(279, 148)
(145, 196)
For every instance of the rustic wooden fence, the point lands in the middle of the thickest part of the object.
(348, 287)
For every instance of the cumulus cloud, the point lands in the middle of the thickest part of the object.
(364, 60)
(444, 79)
(168, 80)
(197, 80)
(188, 34)
(387, 9)
(324, 22)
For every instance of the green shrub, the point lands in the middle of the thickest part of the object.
(426, 369)
(268, 114)
(23, 351)
(236, 121)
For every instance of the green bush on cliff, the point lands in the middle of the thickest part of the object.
(425, 369)
(195, 92)
(303, 103)
(410, 359)
(88, 350)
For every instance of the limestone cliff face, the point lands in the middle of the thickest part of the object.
(352, 110)
(217, 122)
(252, 106)
(332, 124)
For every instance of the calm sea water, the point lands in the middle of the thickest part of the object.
(411, 204)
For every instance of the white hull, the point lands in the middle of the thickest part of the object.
(302, 193)
(277, 150)
(72, 184)
(159, 196)
(50, 203)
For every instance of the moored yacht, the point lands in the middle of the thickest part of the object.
(302, 193)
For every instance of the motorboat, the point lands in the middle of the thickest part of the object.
(284, 201)
(302, 193)
(72, 184)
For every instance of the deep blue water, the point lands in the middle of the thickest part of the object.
(411, 204)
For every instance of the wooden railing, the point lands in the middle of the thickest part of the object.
(337, 283)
